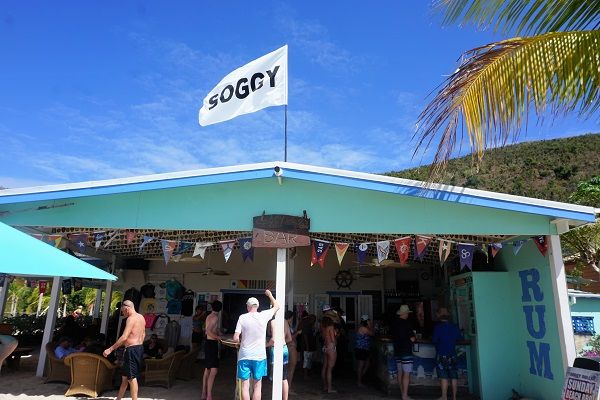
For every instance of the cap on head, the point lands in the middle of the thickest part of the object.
(252, 301)
(364, 317)
(326, 307)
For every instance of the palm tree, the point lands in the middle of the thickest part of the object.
(556, 68)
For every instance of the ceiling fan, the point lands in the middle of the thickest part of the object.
(358, 272)
(383, 264)
(210, 271)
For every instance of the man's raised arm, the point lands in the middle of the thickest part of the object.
(274, 303)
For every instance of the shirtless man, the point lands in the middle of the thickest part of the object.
(132, 339)
(211, 350)
(270, 345)
(329, 353)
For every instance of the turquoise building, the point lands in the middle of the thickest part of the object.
(522, 336)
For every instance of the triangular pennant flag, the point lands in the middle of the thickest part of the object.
(542, 244)
(465, 252)
(182, 248)
(319, 252)
(168, 247)
(130, 236)
(246, 248)
(340, 250)
(227, 246)
(42, 286)
(147, 239)
(52, 240)
(200, 249)
(421, 243)
(112, 236)
(361, 252)
(79, 240)
(383, 250)
(444, 250)
(495, 248)
(98, 238)
(403, 249)
(517, 244)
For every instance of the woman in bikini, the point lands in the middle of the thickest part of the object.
(329, 352)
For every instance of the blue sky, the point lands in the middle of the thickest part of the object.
(97, 90)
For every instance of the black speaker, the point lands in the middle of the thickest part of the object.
(136, 263)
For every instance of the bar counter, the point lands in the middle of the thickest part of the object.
(424, 372)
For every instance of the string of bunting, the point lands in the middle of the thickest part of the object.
(174, 249)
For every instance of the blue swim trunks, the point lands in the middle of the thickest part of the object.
(254, 369)
(446, 367)
(286, 354)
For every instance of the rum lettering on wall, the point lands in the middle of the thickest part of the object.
(539, 352)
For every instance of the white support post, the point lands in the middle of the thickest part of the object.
(561, 302)
(290, 284)
(106, 309)
(50, 324)
(279, 321)
(4, 295)
(97, 303)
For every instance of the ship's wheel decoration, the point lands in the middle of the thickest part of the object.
(344, 279)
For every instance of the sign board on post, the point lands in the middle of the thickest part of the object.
(280, 231)
(581, 384)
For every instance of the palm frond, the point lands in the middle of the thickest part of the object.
(523, 17)
(495, 86)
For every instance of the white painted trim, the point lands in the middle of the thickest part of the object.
(290, 271)
(561, 303)
(306, 168)
(50, 323)
(584, 295)
(562, 225)
(279, 340)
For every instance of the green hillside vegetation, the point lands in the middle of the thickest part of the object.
(547, 169)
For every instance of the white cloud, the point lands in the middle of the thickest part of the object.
(312, 38)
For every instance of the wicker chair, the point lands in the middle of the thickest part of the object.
(186, 368)
(162, 372)
(56, 369)
(91, 374)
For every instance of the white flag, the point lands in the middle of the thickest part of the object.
(259, 84)
(200, 248)
(383, 250)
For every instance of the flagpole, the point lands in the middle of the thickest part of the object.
(285, 136)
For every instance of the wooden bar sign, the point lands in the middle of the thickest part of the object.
(280, 231)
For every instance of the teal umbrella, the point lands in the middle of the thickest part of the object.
(21, 254)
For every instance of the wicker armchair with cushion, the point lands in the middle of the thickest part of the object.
(186, 368)
(91, 374)
(56, 369)
(162, 372)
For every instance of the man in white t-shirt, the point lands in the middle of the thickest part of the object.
(252, 356)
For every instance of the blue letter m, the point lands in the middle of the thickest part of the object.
(540, 361)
